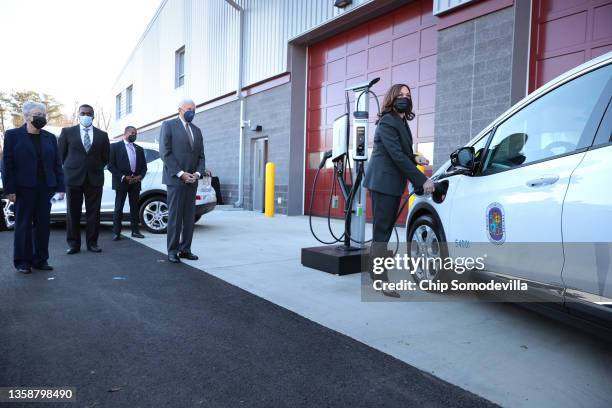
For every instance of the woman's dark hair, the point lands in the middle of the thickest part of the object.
(393, 93)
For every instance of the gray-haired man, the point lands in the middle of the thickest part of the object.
(181, 147)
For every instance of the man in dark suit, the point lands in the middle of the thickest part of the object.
(84, 150)
(31, 175)
(128, 165)
(181, 148)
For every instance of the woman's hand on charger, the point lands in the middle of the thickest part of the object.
(428, 187)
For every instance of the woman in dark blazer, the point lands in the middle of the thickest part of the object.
(31, 175)
(391, 166)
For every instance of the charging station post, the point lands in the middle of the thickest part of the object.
(347, 258)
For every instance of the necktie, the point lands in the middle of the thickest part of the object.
(189, 135)
(86, 140)
(132, 157)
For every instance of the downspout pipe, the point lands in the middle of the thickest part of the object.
(240, 201)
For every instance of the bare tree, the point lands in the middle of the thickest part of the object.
(103, 119)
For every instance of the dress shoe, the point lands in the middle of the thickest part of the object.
(391, 293)
(116, 237)
(43, 267)
(72, 251)
(137, 235)
(94, 248)
(188, 255)
(23, 269)
(173, 258)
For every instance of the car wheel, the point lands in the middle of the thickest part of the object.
(154, 214)
(426, 239)
(197, 218)
(7, 215)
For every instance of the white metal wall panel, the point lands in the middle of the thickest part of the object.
(441, 6)
(209, 31)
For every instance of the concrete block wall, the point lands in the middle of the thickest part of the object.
(220, 128)
(474, 79)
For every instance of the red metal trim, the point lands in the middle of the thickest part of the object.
(471, 11)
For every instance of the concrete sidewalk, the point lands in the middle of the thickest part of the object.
(501, 352)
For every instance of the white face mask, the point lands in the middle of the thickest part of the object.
(85, 120)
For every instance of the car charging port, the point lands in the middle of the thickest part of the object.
(439, 193)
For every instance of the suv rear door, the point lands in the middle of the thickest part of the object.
(587, 223)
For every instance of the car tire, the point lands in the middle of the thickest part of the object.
(7, 215)
(154, 214)
(198, 217)
(426, 238)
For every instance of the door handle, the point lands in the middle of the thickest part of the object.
(543, 181)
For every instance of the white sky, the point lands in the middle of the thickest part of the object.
(70, 49)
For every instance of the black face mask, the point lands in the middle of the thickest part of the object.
(131, 138)
(39, 122)
(402, 104)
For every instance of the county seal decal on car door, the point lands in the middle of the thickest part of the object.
(496, 223)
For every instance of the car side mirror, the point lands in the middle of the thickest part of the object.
(463, 159)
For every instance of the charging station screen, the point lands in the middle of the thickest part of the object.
(360, 140)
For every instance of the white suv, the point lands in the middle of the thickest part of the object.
(153, 208)
(534, 190)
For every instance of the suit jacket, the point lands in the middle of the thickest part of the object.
(80, 165)
(119, 164)
(392, 163)
(19, 161)
(176, 152)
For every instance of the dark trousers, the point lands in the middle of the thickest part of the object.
(74, 202)
(384, 211)
(133, 192)
(32, 210)
(181, 217)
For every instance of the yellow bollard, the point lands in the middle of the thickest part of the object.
(269, 203)
(422, 170)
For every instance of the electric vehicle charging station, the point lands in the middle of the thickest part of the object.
(346, 258)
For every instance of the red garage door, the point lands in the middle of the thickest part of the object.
(566, 33)
(397, 47)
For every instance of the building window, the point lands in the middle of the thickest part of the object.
(128, 100)
(179, 67)
(118, 106)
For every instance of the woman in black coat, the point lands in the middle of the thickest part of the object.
(392, 164)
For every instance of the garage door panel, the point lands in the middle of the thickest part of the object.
(380, 31)
(405, 72)
(429, 39)
(379, 56)
(336, 70)
(396, 47)
(333, 112)
(357, 40)
(601, 50)
(356, 63)
(565, 34)
(406, 48)
(407, 19)
(555, 66)
(602, 22)
(316, 76)
(427, 97)
(427, 68)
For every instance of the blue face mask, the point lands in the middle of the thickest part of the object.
(189, 115)
(85, 120)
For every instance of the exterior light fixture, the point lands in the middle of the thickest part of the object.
(342, 3)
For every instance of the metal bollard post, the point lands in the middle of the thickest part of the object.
(269, 202)
(422, 170)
